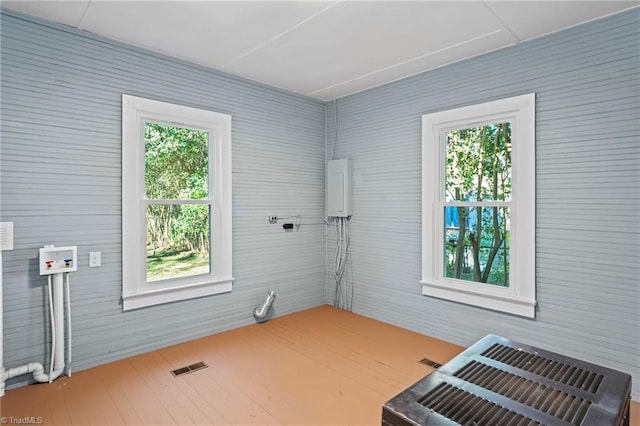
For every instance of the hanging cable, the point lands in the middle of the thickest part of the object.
(348, 290)
(337, 262)
(343, 295)
(335, 127)
(350, 266)
(344, 263)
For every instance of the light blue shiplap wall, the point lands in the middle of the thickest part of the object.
(587, 81)
(61, 180)
(60, 177)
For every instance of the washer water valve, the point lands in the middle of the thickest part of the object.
(58, 259)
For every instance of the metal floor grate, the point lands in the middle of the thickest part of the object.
(569, 408)
(468, 409)
(498, 381)
(554, 370)
(188, 369)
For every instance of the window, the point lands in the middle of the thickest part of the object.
(478, 207)
(176, 202)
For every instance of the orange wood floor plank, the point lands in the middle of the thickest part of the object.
(147, 406)
(229, 380)
(40, 398)
(18, 403)
(109, 377)
(154, 371)
(353, 357)
(321, 366)
(635, 413)
(266, 376)
(228, 371)
(86, 393)
(204, 403)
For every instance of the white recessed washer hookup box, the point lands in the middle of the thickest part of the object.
(54, 260)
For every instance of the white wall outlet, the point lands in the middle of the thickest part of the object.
(94, 259)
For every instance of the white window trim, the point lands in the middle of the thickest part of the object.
(136, 292)
(519, 297)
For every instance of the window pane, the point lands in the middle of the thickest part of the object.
(177, 241)
(176, 162)
(479, 163)
(476, 244)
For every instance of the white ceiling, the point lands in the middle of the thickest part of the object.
(324, 49)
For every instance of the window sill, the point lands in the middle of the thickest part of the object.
(504, 303)
(174, 294)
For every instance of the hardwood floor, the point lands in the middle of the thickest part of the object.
(320, 366)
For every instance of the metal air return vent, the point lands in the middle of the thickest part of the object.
(451, 401)
(501, 382)
(188, 369)
(554, 370)
(430, 363)
(547, 399)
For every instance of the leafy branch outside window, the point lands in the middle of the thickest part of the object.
(478, 170)
(176, 168)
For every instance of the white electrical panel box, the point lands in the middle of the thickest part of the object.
(55, 260)
(339, 188)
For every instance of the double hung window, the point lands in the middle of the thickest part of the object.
(176, 202)
(479, 205)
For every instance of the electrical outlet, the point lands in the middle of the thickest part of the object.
(94, 259)
(273, 219)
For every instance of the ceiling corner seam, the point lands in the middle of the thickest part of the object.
(84, 15)
(276, 37)
(505, 26)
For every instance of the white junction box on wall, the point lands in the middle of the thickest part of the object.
(54, 260)
(339, 188)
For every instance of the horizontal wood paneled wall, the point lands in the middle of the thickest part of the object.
(587, 83)
(61, 181)
(60, 177)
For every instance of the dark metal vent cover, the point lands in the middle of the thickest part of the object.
(188, 369)
(557, 403)
(452, 403)
(555, 370)
(430, 363)
(501, 382)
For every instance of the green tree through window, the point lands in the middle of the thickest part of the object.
(477, 192)
(176, 174)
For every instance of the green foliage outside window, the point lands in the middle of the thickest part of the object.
(478, 169)
(176, 168)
